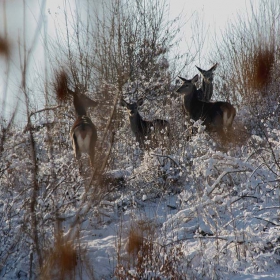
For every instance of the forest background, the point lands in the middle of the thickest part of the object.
(178, 211)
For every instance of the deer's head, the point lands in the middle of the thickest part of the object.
(208, 75)
(188, 86)
(132, 107)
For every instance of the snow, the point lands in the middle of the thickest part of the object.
(209, 213)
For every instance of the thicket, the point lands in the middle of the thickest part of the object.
(226, 196)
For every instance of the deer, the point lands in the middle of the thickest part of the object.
(83, 132)
(207, 82)
(143, 129)
(215, 115)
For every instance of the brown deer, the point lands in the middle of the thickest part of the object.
(215, 115)
(207, 82)
(143, 129)
(83, 132)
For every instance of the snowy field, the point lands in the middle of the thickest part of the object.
(191, 200)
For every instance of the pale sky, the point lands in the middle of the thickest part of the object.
(215, 14)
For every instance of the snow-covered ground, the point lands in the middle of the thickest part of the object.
(200, 213)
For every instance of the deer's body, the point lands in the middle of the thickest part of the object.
(83, 132)
(215, 115)
(84, 136)
(143, 129)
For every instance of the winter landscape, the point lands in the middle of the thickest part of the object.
(179, 175)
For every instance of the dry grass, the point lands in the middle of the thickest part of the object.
(60, 262)
(61, 85)
(260, 67)
(4, 47)
(144, 255)
(138, 247)
(138, 233)
(135, 242)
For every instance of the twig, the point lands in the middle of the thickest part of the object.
(268, 221)
(166, 156)
(44, 109)
(223, 175)
(243, 196)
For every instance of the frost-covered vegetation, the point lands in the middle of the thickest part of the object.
(193, 207)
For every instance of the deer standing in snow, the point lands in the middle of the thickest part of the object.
(215, 115)
(143, 129)
(207, 82)
(83, 132)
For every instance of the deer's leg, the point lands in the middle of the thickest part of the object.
(77, 152)
(228, 116)
(140, 139)
(222, 134)
(91, 156)
(76, 148)
(92, 151)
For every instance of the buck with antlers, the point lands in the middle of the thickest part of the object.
(142, 129)
(207, 82)
(215, 115)
(83, 132)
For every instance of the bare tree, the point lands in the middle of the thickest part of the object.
(248, 53)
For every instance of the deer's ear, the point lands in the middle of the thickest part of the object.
(195, 79)
(92, 103)
(214, 67)
(183, 79)
(86, 101)
(140, 101)
(123, 103)
(71, 92)
(199, 69)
